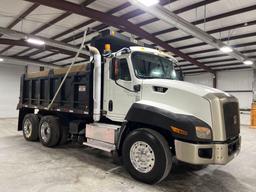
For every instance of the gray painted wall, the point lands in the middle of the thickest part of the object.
(9, 89)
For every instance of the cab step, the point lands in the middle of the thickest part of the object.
(108, 147)
(101, 136)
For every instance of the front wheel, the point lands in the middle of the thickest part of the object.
(147, 156)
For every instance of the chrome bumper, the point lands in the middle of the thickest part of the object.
(220, 153)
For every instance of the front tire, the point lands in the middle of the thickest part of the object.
(147, 156)
(49, 131)
(30, 127)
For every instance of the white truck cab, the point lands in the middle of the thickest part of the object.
(127, 70)
(147, 77)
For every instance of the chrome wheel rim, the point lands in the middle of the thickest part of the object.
(142, 157)
(45, 132)
(27, 128)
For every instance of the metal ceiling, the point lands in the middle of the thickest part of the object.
(231, 21)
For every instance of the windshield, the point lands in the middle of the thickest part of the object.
(149, 66)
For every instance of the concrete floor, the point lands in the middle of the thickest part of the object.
(30, 167)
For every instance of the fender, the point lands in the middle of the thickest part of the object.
(161, 118)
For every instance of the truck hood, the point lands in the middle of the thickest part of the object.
(180, 97)
(196, 89)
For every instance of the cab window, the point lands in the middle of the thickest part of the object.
(120, 68)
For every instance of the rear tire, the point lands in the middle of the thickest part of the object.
(30, 127)
(49, 131)
(147, 156)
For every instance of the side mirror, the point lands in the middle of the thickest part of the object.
(180, 75)
(115, 68)
(136, 88)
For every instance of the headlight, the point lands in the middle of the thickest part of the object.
(203, 133)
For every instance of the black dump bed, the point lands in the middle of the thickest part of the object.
(76, 96)
(37, 90)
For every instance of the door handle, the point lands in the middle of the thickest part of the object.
(110, 105)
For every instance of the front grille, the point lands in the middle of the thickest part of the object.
(231, 118)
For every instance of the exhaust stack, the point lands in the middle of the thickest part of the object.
(96, 81)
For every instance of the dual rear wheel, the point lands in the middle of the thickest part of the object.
(145, 152)
(30, 127)
(48, 130)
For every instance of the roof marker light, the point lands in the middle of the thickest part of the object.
(1, 59)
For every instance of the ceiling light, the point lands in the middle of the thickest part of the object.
(226, 49)
(35, 41)
(148, 3)
(1, 59)
(248, 62)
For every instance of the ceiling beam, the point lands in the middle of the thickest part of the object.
(193, 6)
(55, 45)
(59, 18)
(118, 23)
(50, 23)
(173, 19)
(219, 55)
(215, 61)
(212, 18)
(98, 27)
(116, 9)
(214, 49)
(31, 53)
(215, 66)
(217, 70)
(61, 59)
(138, 12)
(179, 11)
(23, 43)
(23, 15)
(45, 56)
(26, 61)
(218, 30)
(126, 16)
(43, 27)
(247, 35)
(16, 21)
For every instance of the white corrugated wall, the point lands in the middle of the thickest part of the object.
(236, 82)
(226, 80)
(9, 89)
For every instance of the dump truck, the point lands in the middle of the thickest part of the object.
(130, 100)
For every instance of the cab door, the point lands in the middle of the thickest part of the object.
(118, 88)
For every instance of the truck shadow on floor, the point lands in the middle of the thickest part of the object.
(208, 179)
(181, 178)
